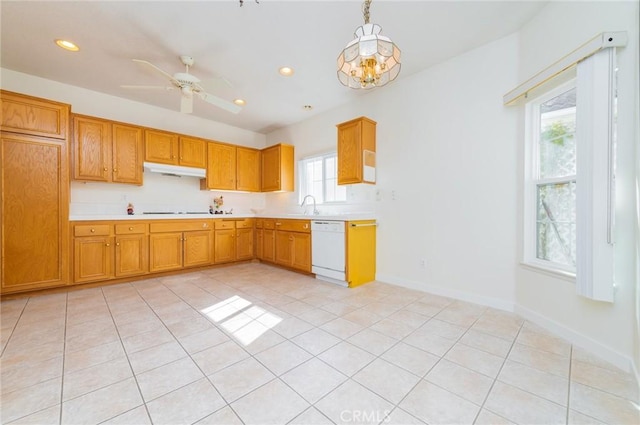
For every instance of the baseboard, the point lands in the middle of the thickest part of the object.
(619, 360)
(447, 292)
(606, 353)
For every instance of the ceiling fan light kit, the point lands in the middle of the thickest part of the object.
(370, 59)
(188, 85)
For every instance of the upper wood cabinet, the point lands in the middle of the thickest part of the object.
(221, 167)
(277, 168)
(30, 115)
(160, 147)
(106, 151)
(357, 151)
(192, 152)
(168, 148)
(247, 169)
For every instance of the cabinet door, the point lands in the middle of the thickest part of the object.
(248, 169)
(301, 251)
(34, 207)
(361, 252)
(259, 246)
(197, 248)
(132, 255)
(127, 154)
(221, 166)
(225, 245)
(91, 149)
(350, 153)
(244, 244)
(271, 169)
(92, 258)
(284, 243)
(160, 147)
(269, 245)
(193, 152)
(165, 251)
(30, 115)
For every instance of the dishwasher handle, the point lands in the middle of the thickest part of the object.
(363, 225)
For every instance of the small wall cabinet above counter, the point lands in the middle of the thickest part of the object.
(357, 151)
(174, 149)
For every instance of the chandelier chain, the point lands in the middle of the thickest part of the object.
(365, 10)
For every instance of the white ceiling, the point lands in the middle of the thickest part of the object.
(245, 45)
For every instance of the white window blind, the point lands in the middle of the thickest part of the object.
(595, 188)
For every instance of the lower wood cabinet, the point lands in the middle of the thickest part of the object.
(288, 244)
(234, 240)
(178, 244)
(104, 251)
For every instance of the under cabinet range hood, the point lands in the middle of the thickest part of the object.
(174, 170)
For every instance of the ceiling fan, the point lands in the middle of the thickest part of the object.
(188, 85)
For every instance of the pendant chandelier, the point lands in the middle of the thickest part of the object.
(370, 59)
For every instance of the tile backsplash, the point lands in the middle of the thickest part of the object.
(159, 193)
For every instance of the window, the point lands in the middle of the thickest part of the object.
(318, 177)
(570, 178)
(552, 182)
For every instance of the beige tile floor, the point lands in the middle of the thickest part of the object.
(255, 344)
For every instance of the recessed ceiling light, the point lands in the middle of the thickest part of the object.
(67, 45)
(307, 107)
(239, 102)
(286, 71)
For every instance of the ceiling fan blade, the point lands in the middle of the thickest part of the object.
(167, 88)
(186, 104)
(155, 68)
(220, 103)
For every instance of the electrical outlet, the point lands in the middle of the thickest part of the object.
(423, 263)
(393, 195)
(378, 195)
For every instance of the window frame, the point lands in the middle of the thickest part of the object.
(532, 180)
(302, 178)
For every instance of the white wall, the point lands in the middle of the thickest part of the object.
(446, 149)
(607, 329)
(158, 192)
(453, 156)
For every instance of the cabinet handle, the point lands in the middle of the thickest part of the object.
(115, 170)
(107, 244)
(306, 226)
(106, 169)
(290, 238)
(181, 158)
(278, 224)
(130, 228)
(117, 244)
(205, 225)
(93, 230)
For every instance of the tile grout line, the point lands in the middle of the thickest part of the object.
(13, 328)
(506, 357)
(64, 354)
(569, 383)
(144, 403)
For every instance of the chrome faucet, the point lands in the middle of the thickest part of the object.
(315, 210)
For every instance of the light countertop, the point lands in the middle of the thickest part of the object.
(106, 217)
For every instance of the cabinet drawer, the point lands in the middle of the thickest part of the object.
(129, 229)
(225, 224)
(269, 224)
(180, 226)
(91, 230)
(259, 223)
(245, 224)
(294, 225)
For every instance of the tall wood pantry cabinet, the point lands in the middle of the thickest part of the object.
(34, 178)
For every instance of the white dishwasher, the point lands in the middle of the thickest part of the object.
(328, 251)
